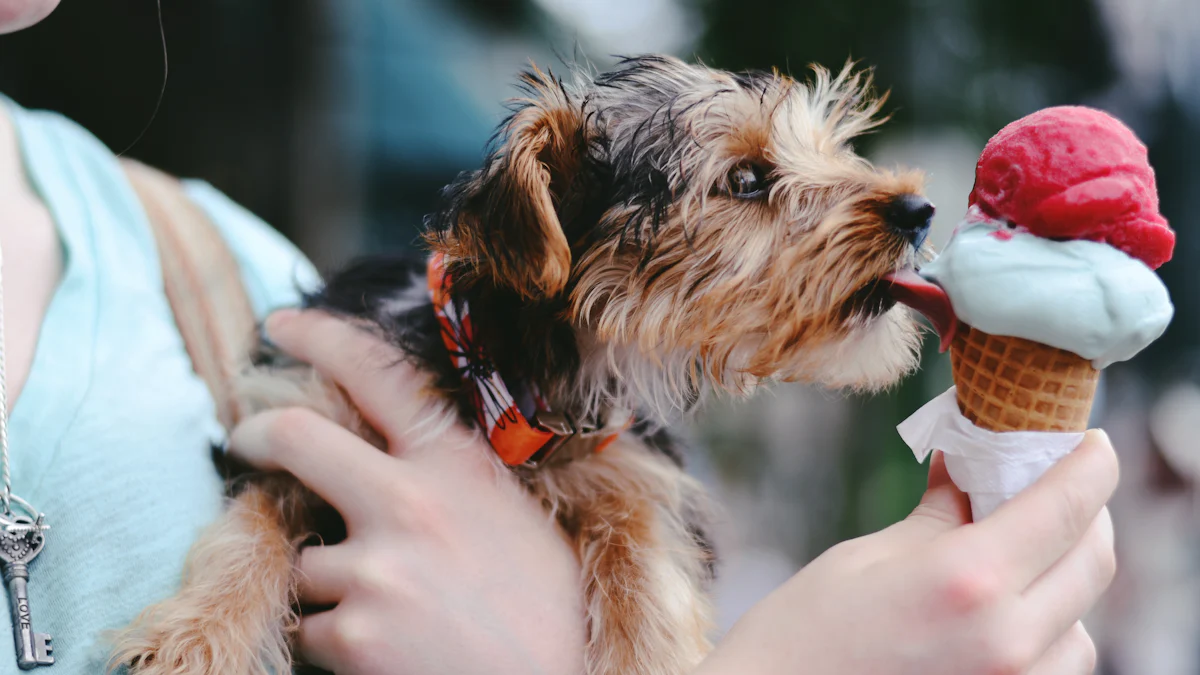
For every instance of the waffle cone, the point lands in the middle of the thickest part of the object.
(1011, 384)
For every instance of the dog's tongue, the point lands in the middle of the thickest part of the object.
(928, 298)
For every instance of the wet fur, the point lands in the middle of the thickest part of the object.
(605, 260)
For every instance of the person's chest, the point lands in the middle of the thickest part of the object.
(111, 435)
(115, 449)
(30, 262)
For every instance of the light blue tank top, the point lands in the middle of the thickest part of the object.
(111, 434)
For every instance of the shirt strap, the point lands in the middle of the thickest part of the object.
(203, 285)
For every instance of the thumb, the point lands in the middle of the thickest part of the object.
(943, 506)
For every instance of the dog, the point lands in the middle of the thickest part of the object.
(634, 239)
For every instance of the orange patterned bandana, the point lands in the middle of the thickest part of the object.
(518, 439)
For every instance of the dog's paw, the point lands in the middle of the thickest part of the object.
(234, 613)
(173, 639)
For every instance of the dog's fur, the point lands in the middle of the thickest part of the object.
(606, 259)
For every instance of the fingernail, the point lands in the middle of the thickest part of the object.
(278, 319)
(1099, 440)
(1106, 524)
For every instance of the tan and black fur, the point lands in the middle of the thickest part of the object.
(633, 240)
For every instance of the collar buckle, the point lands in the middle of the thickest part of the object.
(564, 426)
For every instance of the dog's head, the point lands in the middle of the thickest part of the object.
(695, 225)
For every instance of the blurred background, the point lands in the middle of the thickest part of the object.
(338, 121)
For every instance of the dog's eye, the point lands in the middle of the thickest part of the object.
(746, 181)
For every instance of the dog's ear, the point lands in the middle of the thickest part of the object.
(504, 220)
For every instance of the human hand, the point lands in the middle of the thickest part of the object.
(938, 595)
(449, 565)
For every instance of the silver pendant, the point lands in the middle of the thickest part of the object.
(21, 540)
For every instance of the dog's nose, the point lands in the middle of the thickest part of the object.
(910, 215)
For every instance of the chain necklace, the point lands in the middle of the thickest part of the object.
(21, 536)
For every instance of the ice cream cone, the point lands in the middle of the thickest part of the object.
(1059, 246)
(1012, 384)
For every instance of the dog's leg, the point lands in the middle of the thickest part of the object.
(234, 613)
(633, 516)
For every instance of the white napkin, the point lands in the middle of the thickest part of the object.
(989, 466)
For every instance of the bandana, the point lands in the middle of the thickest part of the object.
(518, 423)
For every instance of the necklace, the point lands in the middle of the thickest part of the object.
(22, 537)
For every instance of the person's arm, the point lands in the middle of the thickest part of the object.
(450, 567)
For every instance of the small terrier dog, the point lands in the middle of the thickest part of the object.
(633, 240)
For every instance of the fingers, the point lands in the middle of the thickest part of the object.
(943, 506)
(323, 576)
(1028, 534)
(1073, 585)
(939, 475)
(384, 388)
(339, 466)
(943, 501)
(320, 640)
(1073, 654)
(354, 640)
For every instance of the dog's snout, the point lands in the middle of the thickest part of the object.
(911, 216)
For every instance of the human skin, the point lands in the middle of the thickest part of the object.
(934, 594)
(451, 568)
(32, 260)
(449, 565)
(938, 595)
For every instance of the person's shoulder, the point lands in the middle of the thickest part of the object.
(276, 273)
(72, 147)
(57, 124)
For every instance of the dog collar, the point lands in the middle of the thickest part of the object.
(522, 429)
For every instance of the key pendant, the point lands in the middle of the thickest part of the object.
(20, 543)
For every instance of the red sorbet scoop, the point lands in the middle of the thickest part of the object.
(1075, 173)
